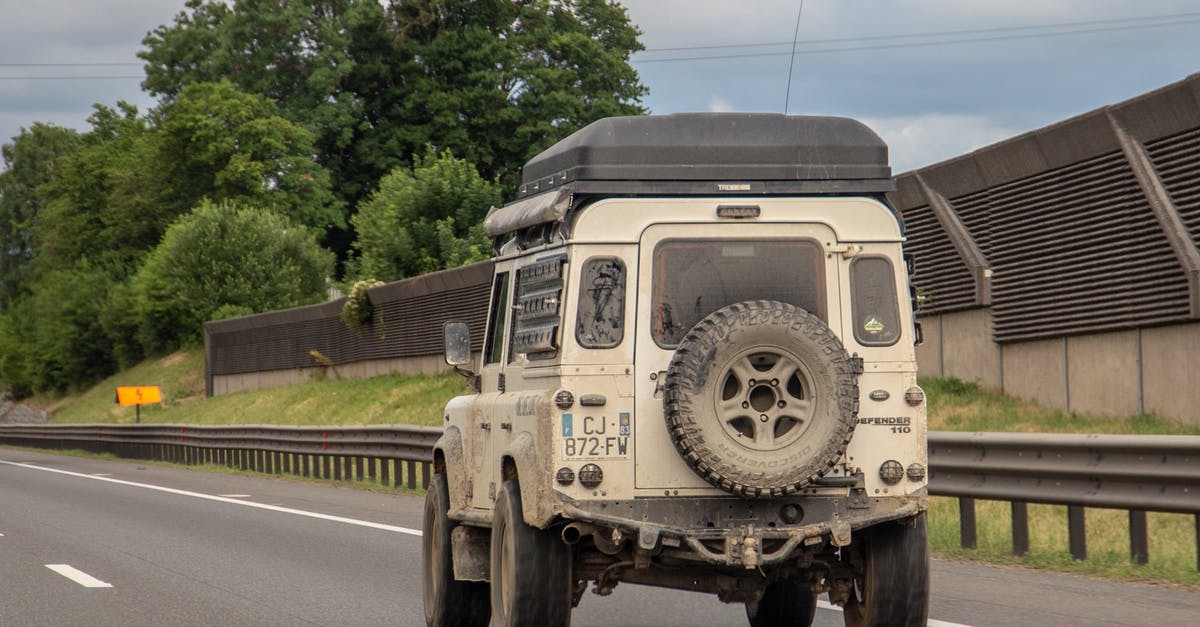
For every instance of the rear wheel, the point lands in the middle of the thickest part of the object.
(893, 585)
(448, 601)
(783, 603)
(531, 569)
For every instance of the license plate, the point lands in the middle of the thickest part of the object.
(596, 447)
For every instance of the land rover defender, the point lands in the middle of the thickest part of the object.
(697, 372)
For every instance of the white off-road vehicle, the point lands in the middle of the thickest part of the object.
(698, 372)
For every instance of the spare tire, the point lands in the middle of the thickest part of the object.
(761, 398)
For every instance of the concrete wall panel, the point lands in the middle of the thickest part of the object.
(1171, 372)
(1102, 373)
(968, 351)
(425, 364)
(928, 362)
(1034, 370)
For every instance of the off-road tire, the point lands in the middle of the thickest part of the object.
(783, 604)
(893, 585)
(531, 568)
(448, 601)
(735, 452)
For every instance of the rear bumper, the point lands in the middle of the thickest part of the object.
(736, 532)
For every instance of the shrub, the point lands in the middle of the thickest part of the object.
(225, 258)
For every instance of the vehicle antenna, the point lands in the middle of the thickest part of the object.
(792, 60)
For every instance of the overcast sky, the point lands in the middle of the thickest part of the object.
(983, 71)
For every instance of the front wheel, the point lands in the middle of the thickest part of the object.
(448, 601)
(892, 587)
(784, 603)
(531, 569)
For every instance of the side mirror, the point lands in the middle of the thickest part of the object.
(456, 341)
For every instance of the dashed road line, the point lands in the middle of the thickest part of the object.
(78, 576)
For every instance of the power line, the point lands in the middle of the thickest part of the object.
(976, 31)
(66, 78)
(920, 44)
(87, 64)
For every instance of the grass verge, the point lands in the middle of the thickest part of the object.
(387, 399)
(1172, 541)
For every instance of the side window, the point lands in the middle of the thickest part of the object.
(873, 293)
(536, 316)
(497, 320)
(601, 317)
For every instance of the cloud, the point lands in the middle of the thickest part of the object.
(917, 141)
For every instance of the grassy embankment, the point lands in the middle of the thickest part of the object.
(953, 406)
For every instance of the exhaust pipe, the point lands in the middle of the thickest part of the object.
(574, 532)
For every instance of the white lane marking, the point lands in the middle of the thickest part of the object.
(234, 496)
(350, 521)
(221, 499)
(933, 622)
(78, 576)
(101, 474)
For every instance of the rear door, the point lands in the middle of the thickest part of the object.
(688, 271)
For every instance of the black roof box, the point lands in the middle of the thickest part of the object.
(714, 153)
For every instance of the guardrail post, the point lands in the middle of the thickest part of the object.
(358, 468)
(1076, 532)
(1139, 545)
(337, 468)
(966, 522)
(385, 471)
(1197, 518)
(324, 466)
(426, 474)
(305, 471)
(371, 473)
(1020, 527)
(411, 468)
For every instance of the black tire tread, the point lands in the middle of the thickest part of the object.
(463, 603)
(896, 577)
(684, 372)
(542, 586)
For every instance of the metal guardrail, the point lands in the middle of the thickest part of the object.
(1138, 473)
(1135, 473)
(397, 455)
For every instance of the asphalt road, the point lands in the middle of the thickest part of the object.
(179, 547)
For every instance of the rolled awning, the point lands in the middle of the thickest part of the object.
(548, 206)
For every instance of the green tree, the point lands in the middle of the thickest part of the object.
(29, 162)
(224, 256)
(132, 175)
(52, 339)
(494, 80)
(222, 144)
(423, 219)
(501, 80)
(106, 202)
(304, 55)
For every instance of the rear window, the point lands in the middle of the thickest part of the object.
(695, 278)
(875, 310)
